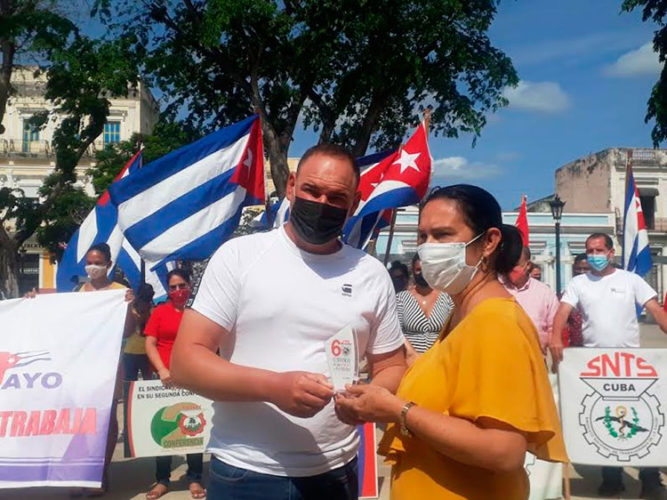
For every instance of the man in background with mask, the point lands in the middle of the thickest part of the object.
(607, 298)
(270, 301)
(537, 299)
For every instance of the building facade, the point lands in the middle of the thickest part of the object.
(27, 155)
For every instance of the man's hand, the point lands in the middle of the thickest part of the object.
(129, 295)
(556, 348)
(302, 394)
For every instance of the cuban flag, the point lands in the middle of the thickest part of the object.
(636, 250)
(101, 226)
(187, 203)
(276, 216)
(398, 180)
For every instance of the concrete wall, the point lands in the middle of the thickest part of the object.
(585, 184)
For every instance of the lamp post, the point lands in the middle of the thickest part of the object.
(557, 212)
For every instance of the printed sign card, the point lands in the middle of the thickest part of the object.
(341, 350)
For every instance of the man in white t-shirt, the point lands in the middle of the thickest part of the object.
(608, 298)
(269, 302)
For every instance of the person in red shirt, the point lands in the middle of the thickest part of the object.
(160, 332)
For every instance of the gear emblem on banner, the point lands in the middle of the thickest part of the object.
(621, 417)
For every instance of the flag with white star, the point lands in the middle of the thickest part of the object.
(401, 179)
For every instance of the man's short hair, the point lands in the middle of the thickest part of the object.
(608, 242)
(335, 151)
(397, 265)
(580, 257)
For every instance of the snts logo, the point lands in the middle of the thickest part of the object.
(14, 375)
(621, 417)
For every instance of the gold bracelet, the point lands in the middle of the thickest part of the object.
(404, 413)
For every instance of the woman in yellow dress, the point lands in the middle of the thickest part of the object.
(469, 408)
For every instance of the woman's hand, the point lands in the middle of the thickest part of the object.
(165, 377)
(369, 403)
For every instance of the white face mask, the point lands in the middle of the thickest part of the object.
(444, 265)
(95, 272)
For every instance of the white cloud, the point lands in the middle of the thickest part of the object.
(459, 168)
(643, 61)
(543, 97)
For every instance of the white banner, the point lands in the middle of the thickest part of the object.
(166, 421)
(58, 361)
(613, 406)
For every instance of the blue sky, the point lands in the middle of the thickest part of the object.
(585, 83)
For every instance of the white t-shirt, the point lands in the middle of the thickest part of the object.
(608, 307)
(281, 304)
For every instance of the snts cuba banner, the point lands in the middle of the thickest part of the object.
(58, 360)
(613, 404)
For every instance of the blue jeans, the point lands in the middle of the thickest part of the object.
(227, 482)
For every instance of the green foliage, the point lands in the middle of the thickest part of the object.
(357, 72)
(655, 10)
(66, 214)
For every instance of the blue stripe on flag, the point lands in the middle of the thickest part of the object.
(204, 246)
(180, 209)
(166, 166)
(389, 200)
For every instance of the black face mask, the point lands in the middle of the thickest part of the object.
(317, 223)
(419, 279)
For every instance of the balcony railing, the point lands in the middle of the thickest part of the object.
(16, 148)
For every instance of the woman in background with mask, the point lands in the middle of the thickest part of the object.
(468, 409)
(422, 312)
(160, 332)
(98, 266)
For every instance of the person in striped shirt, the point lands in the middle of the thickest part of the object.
(422, 312)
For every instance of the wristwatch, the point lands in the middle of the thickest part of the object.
(404, 413)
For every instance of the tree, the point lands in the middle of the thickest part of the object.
(81, 75)
(357, 72)
(655, 10)
(27, 28)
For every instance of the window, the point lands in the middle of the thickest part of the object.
(111, 133)
(30, 135)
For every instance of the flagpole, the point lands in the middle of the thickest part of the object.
(142, 262)
(387, 251)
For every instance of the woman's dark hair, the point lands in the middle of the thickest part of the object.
(145, 293)
(103, 248)
(415, 258)
(481, 212)
(181, 273)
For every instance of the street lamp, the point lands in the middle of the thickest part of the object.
(557, 212)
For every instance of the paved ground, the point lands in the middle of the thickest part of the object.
(130, 478)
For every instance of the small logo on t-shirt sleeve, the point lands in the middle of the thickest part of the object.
(347, 290)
